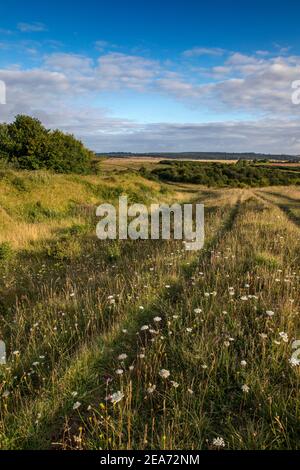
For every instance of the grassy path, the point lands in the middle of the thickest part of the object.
(225, 338)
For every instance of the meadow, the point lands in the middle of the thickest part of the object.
(142, 344)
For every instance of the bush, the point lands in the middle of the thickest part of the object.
(29, 145)
(67, 248)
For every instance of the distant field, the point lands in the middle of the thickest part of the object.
(136, 163)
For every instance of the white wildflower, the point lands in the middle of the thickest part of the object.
(175, 384)
(284, 336)
(270, 313)
(157, 319)
(294, 361)
(164, 373)
(151, 389)
(218, 442)
(116, 397)
(197, 310)
(122, 357)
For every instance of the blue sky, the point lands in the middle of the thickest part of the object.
(156, 76)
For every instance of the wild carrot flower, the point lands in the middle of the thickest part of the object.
(151, 389)
(284, 336)
(164, 373)
(116, 397)
(294, 361)
(218, 442)
(144, 328)
(270, 313)
(243, 363)
(122, 357)
(76, 405)
(245, 388)
(157, 319)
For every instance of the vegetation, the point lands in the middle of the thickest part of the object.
(27, 144)
(142, 344)
(241, 174)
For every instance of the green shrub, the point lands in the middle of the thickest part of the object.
(68, 248)
(29, 145)
(6, 251)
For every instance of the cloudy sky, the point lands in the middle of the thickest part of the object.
(142, 76)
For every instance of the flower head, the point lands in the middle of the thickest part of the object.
(270, 313)
(218, 442)
(122, 357)
(164, 373)
(116, 397)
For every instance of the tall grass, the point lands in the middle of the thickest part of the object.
(140, 344)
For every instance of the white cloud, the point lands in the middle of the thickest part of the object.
(35, 27)
(259, 85)
(199, 51)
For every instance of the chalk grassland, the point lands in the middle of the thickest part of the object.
(140, 344)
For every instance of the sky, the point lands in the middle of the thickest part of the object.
(153, 76)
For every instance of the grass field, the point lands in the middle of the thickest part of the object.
(141, 344)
